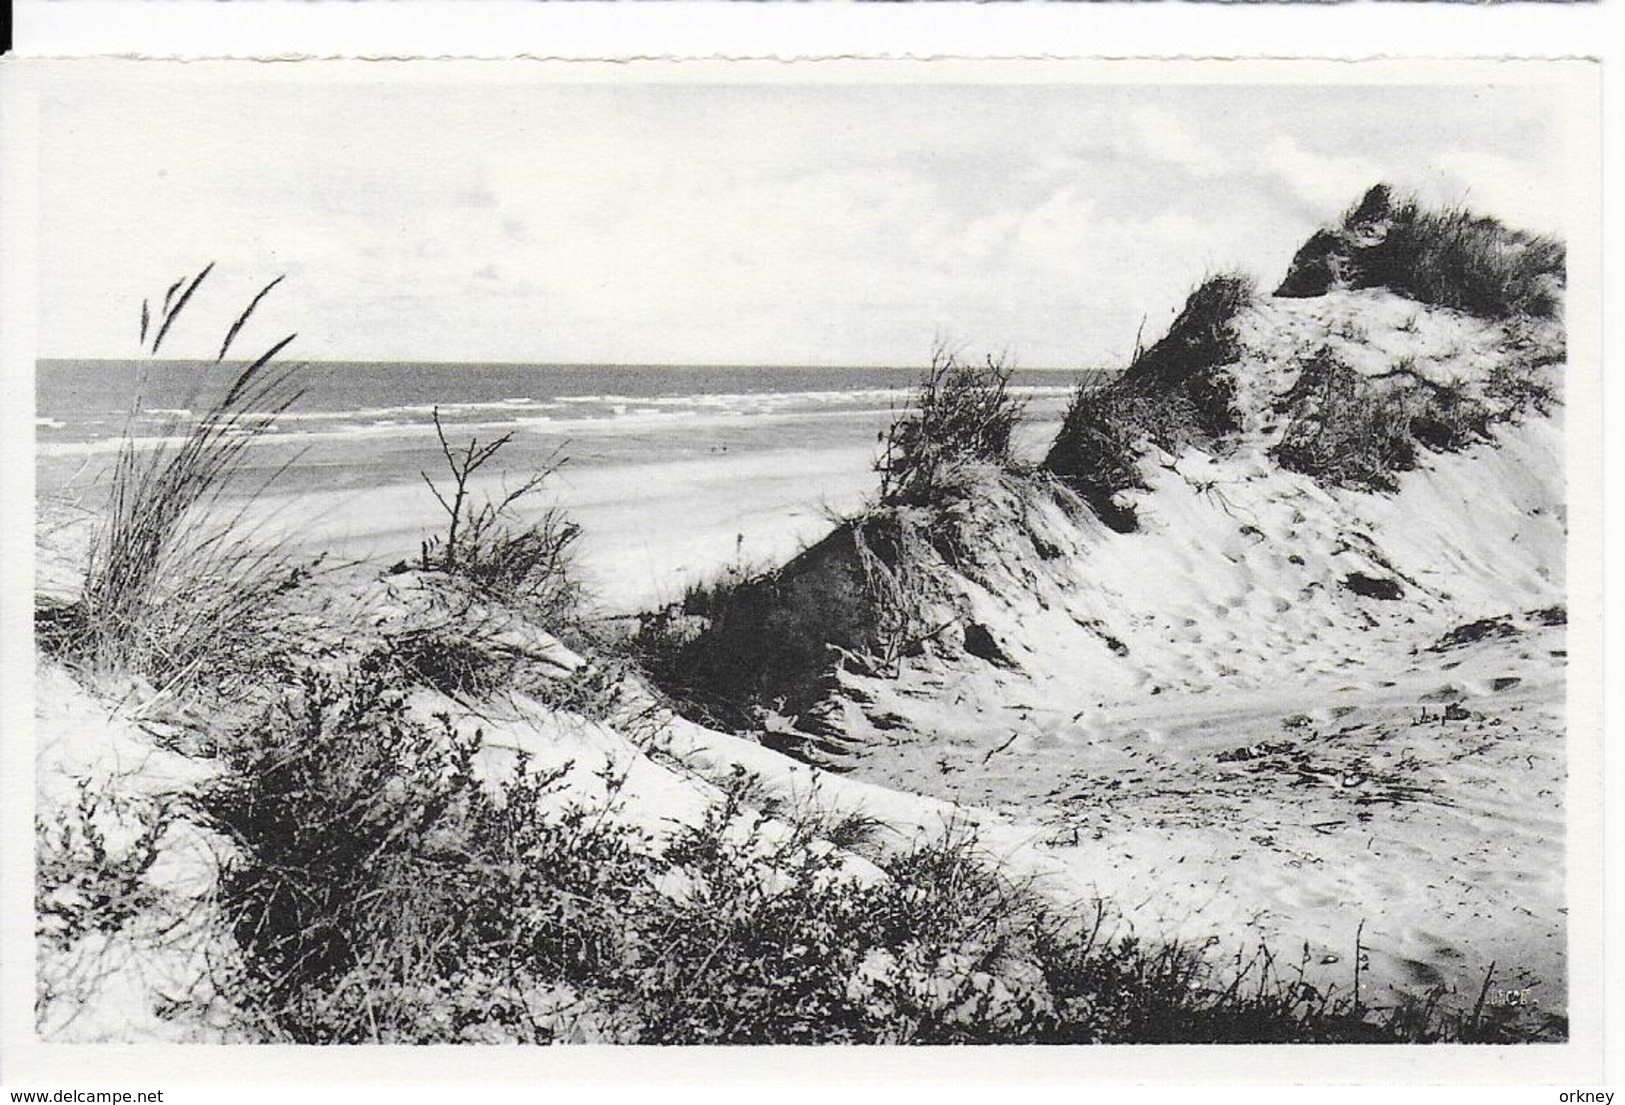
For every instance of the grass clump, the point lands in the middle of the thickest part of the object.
(175, 584)
(1351, 430)
(1473, 263)
(1348, 433)
(961, 411)
(1449, 257)
(1523, 377)
(1360, 431)
(459, 662)
(1174, 393)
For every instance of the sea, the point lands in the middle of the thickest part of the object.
(364, 424)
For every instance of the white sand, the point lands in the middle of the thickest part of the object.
(647, 530)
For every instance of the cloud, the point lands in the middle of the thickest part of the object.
(713, 223)
(1162, 136)
(1325, 182)
(1514, 189)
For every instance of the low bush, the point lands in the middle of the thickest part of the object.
(781, 944)
(122, 897)
(961, 411)
(385, 894)
(520, 564)
(773, 945)
(754, 947)
(85, 882)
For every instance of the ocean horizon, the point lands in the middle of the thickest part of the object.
(369, 422)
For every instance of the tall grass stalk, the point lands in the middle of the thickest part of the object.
(174, 580)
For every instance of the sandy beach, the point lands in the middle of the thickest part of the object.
(648, 530)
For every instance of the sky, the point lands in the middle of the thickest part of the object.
(615, 222)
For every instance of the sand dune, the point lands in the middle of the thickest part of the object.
(1204, 723)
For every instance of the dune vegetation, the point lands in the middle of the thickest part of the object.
(443, 802)
(1174, 393)
(1448, 257)
(173, 590)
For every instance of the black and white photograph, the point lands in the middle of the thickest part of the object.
(547, 554)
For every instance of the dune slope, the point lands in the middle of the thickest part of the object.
(1277, 707)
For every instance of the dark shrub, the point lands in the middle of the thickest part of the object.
(1096, 452)
(1202, 339)
(1319, 266)
(1374, 587)
(1447, 420)
(774, 942)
